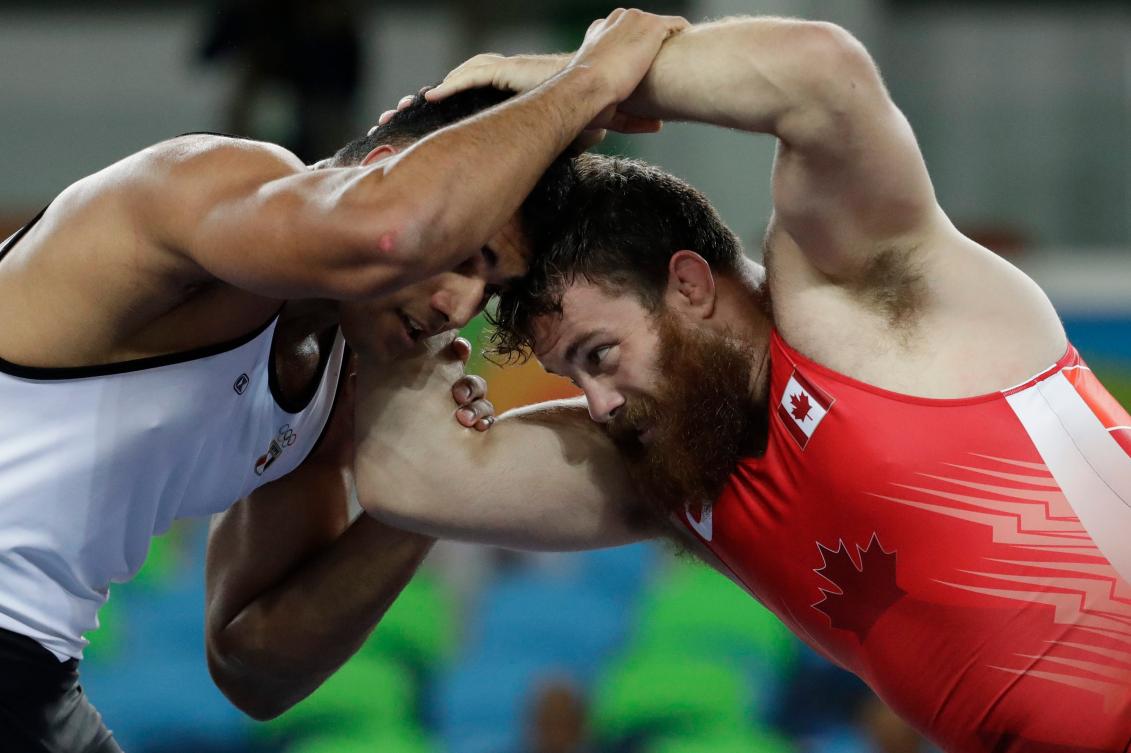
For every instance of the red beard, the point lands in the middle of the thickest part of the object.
(701, 423)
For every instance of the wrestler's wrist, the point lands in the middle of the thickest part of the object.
(589, 89)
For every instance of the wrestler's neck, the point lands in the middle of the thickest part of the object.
(742, 310)
(299, 319)
(301, 334)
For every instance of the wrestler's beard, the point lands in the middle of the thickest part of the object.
(701, 422)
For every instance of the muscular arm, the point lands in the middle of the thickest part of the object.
(544, 477)
(293, 587)
(857, 230)
(849, 180)
(253, 215)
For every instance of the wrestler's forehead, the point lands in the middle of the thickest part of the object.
(586, 308)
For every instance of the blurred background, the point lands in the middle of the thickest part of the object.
(1023, 110)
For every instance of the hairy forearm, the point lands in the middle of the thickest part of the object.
(281, 646)
(771, 75)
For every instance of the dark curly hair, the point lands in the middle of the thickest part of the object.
(613, 222)
(418, 120)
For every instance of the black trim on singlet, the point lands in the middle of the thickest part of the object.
(326, 340)
(21, 233)
(343, 374)
(51, 373)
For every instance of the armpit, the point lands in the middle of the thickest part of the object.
(892, 283)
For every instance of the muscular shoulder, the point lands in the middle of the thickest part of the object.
(231, 158)
(162, 189)
(178, 180)
(918, 315)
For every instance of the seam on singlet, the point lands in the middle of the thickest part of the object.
(1053, 370)
(53, 373)
(938, 402)
(1087, 460)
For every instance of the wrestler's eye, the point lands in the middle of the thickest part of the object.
(597, 356)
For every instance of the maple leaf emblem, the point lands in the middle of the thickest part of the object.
(801, 406)
(860, 594)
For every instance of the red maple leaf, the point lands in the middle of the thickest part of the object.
(859, 594)
(801, 406)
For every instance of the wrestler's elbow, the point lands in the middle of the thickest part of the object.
(387, 491)
(375, 470)
(244, 674)
(253, 702)
(252, 699)
(233, 675)
(408, 495)
(831, 51)
(835, 84)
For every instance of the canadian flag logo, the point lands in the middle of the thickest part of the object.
(802, 407)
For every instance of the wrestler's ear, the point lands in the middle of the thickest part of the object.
(691, 285)
(379, 153)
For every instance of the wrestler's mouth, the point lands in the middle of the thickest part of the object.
(646, 434)
(414, 331)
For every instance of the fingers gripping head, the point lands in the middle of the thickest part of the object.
(417, 120)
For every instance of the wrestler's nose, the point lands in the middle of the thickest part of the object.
(459, 300)
(604, 401)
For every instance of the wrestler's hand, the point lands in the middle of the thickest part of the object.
(621, 47)
(440, 360)
(520, 73)
(470, 393)
(515, 73)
